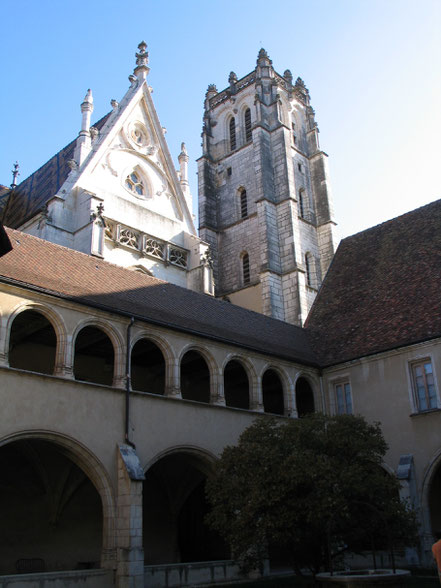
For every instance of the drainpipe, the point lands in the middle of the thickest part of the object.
(128, 382)
(322, 392)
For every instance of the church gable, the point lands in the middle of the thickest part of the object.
(130, 170)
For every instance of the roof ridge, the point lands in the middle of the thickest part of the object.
(391, 220)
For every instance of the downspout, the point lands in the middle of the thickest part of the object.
(128, 382)
(322, 393)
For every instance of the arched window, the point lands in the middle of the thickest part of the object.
(134, 184)
(243, 203)
(232, 134)
(248, 133)
(246, 268)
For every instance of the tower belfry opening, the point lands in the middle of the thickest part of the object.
(260, 138)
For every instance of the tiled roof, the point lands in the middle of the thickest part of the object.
(383, 289)
(89, 280)
(32, 194)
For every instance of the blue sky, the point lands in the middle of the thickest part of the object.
(372, 68)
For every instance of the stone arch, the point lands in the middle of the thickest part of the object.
(96, 473)
(53, 317)
(201, 388)
(115, 340)
(174, 507)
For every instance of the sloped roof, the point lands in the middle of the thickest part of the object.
(85, 279)
(32, 194)
(383, 289)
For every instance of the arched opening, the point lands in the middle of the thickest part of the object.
(94, 356)
(147, 367)
(304, 397)
(272, 392)
(195, 377)
(174, 509)
(434, 500)
(32, 343)
(236, 385)
(51, 512)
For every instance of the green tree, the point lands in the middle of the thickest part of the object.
(313, 486)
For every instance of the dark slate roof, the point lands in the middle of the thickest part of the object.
(383, 289)
(32, 194)
(66, 273)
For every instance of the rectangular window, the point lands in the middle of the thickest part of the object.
(424, 385)
(343, 399)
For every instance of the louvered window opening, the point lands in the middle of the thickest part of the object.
(232, 134)
(248, 133)
(243, 204)
(246, 268)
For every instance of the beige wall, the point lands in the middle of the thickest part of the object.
(382, 391)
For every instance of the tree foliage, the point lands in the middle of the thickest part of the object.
(312, 486)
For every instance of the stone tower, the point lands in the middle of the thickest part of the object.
(264, 196)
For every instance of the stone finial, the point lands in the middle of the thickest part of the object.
(263, 59)
(211, 91)
(86, 109)
(88, 99)
(232, 78)
(142, 58)
(94, 132)
(15, 174)
(287, 75)
(300, 83)
(114, 104)
(183, 151)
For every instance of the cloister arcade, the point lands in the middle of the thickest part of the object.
(36, 338)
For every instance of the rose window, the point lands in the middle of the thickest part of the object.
(134, 184)
(138, 136)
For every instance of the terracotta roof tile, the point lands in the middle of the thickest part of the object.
(383, 289)
(90, 280)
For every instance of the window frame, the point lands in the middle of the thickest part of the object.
(345, 402)
(431, 401)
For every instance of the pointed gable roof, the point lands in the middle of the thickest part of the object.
(65, 273)
(382, 290)
(34, 192)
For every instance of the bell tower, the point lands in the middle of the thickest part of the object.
(264, 195)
